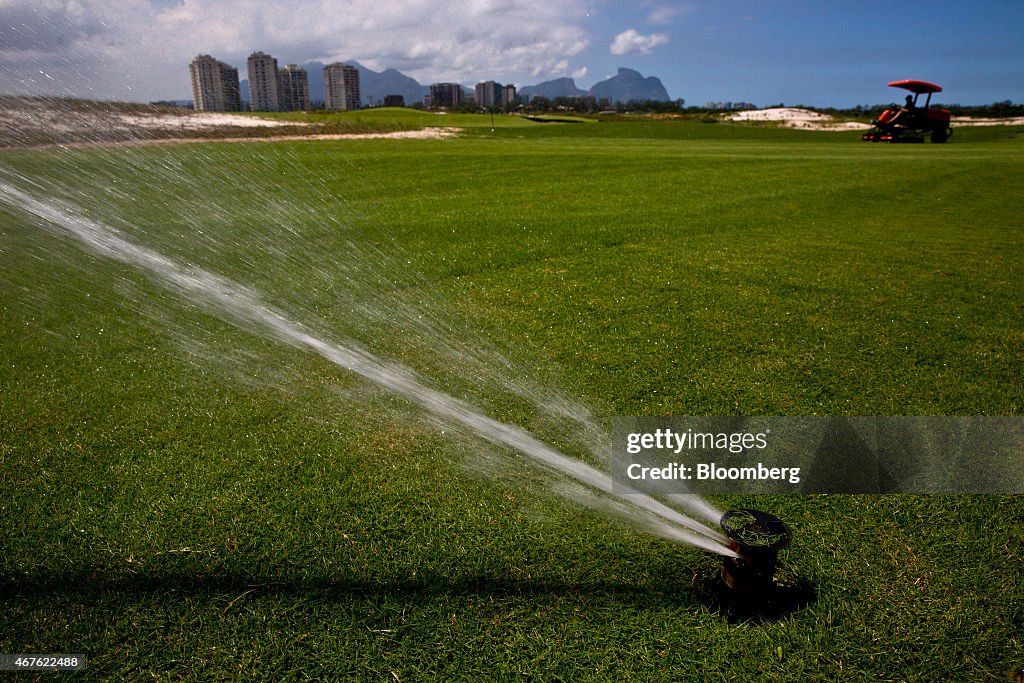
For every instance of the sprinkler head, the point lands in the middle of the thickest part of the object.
(758, 537)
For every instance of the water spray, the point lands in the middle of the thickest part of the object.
(245, 308)
(751, 539)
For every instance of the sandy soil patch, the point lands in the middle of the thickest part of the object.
(438, 133)
(199, 121)
(792, 117)
(34, 122)
(423, 134)
(968, 121)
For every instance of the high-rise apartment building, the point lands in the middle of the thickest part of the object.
(445, 95)
(264, 94)
(488, 94)
(293, 84)
(341, 86)
(508, 96)
(214, 85)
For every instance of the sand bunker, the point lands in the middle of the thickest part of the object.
(422, 134)
(968, 121)
(438, 133)
(38, 122)
(792, 117)
(198, 121)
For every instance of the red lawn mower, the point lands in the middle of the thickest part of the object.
(911, 123)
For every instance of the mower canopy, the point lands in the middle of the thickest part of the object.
(916, 87)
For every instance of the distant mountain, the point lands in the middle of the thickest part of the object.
(373, 86)
(559, 87)
(626, 85)
(388, 82)
(629, 85)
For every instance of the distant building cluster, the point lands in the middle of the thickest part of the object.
(490, 95)
(729, 106)
(215, 87)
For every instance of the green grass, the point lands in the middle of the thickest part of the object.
(402, 118)
(183, 499)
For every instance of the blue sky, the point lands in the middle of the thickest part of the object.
(818, 53)
(829, 53)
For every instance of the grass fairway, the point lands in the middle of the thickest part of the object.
(181, 499)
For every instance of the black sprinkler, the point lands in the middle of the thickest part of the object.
(758, 537)
(752, 586)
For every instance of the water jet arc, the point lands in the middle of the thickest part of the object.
(244, 308)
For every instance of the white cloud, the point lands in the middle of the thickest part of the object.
(666, 14)
(138, 49)
(629, 42)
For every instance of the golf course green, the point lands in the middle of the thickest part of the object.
(182, 498)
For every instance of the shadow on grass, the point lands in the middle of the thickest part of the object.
(790, 594)
(695, 587)
(328, 590)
